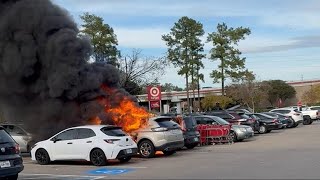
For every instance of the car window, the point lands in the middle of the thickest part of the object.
(14, 130)
(113, 131)
(235, 115)
(83, 133)
(210, 121)
(200, 120)
(245, 116)
(66, 135)
(166, 123)
(261, 116)
(223, 115)
(315, 108)
(5, 137)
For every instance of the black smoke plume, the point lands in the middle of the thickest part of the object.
(46, 81)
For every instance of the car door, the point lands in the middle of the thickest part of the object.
(84, 143)
(62, 145)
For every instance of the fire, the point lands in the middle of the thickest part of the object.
(95, 121)
(127, 114)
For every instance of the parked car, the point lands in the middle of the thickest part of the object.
(21, 136)
(309, 115)
(162, 134)
(95, 143)
(235, 118)
(189, 128)
(11, 163)
(238, 132)
(268, 123)
(293, 113)
(287, 121)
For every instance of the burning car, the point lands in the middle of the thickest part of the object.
(161, 134)
(95, 143)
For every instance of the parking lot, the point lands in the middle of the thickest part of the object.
(291, 153)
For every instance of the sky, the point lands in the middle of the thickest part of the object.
(284, 42)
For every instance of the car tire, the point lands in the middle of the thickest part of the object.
(168, 153)
(190, 146)
(98, 158)
(146, 149)
(13, 177)
(125, 159)
(307, 120)
(262, 129)
(233, 136)
(268, 131)
(42, 157)
(240, 140)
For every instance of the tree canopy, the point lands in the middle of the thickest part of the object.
(103, 39)
(231, 64)
(185, 48)
(278, 89)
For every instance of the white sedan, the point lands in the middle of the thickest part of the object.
(95, 143)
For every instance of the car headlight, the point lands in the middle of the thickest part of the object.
(243, 129)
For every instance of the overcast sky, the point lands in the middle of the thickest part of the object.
(284, 44)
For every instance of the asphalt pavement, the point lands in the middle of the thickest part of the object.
(281, 154)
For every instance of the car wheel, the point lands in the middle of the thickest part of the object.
(146, 149)
(307, 120)
(262, 129)
(168, 153)
(13, 177)
(42, 157)
(125, 159)
(268, 131)
(98, 158)
(190, 146)
(233, 136)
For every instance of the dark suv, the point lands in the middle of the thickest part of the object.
(189, 128)
(10, 159)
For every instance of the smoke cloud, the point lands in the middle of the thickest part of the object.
(45, 78)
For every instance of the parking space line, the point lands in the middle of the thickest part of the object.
(59, 176)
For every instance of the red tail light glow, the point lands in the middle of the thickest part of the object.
(111, 141)
(17, 149)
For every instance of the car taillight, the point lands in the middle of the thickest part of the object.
(275, 120)
(17, 149)
(111, 141)
(159, 129)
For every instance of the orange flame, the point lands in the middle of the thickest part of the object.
(127, 114)
(95, 121)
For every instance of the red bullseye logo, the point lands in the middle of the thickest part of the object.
(154, 91)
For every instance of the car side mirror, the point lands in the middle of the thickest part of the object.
(55, 139)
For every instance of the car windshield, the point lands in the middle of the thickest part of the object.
(245, 116)
(220, 120)
(271, 114)
(5, 137)
(113, 131)
(167, 123)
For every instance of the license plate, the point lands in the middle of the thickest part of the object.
(196, 139)
(5, 164)
(129, 151)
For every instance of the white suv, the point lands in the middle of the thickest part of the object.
(162, 134)
(296, 115)
(95, 143)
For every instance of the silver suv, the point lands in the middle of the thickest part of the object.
(21, 136)
(162, 134)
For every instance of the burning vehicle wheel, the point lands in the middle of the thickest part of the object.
(168, 153)
(262, 129)
(125, 159)
(42, 157)
(146, 149)
(98, 157)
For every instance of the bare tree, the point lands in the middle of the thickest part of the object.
(142, 70)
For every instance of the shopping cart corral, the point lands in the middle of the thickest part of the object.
(214, 134)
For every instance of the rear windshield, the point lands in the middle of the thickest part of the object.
(220, 120)
(167, 123)
(5, 137)
(254, 116)
(113, 131)
(236, 115)
(190, 122)
(222, 115)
